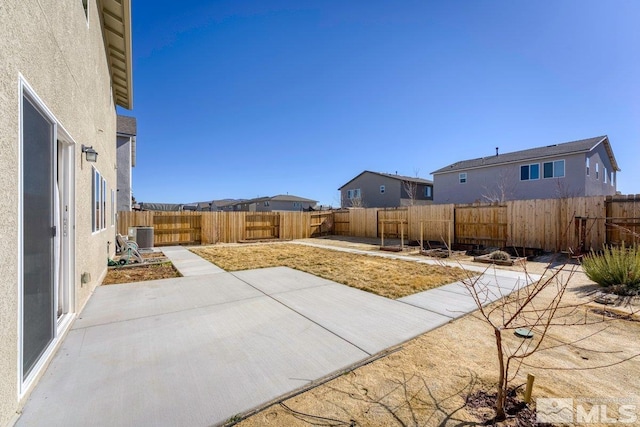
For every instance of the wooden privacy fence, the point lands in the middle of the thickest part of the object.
(550, 224)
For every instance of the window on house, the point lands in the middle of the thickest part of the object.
(604, 174)
(113, 207)
(297, 204)
(428, 191)
(98, 201)
(597, 172)
(611, 175)
(462, 177)
(103, 197)
(356, 193)
(529, 172)
(553, 169)
(382, 189)
(349, 194)
(587, 166)
(266, 203)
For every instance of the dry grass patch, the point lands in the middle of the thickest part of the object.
(382, 276)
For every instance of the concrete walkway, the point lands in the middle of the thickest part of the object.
(200, 349)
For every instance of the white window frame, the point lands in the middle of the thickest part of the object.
(113, 207)
(554, 173)
(382, 189)
(462, 178)
(428, 191)
(67, 254)
(604, 174)
(529, 174)
(587, 164)
(98, 201)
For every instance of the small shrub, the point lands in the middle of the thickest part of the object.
(615, 267)
(499, 256)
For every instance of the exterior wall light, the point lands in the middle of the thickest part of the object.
(90, 154)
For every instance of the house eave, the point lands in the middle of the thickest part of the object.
(115, 18)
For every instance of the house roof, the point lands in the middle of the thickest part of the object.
(290, 198)
(402, 178)
(127, 125)
(115, 17)
(573, 147)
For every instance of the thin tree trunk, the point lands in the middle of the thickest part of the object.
(502, 393)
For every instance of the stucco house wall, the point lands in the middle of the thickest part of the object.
(56, 53)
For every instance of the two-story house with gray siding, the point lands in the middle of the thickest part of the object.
(384, 190)
(126, 160)
(572, 169)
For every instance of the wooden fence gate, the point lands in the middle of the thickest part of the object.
(623, 220)
(321, 224)
(264, 225)
(341, 223)
(177, 229)
(481, 225)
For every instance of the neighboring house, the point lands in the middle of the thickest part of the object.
(384, 190)
(281, 202)
(126, 155)
(572, 169)
(65, 66)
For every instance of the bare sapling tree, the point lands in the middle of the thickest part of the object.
(503, 188)
(411, 188)
(357, 202)
(535, 309)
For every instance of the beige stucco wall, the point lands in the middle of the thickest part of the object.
(63, 59)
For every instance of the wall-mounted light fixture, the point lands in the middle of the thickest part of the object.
(90, 154)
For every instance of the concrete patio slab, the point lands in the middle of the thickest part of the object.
(188, 263)
(371, 322)
(197, 350)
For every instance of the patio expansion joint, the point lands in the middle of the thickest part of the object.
(164, 313)
(302, 315)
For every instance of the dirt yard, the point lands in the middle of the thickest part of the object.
(386, 277)
(159, 267)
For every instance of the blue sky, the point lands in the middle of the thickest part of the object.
(239, 99)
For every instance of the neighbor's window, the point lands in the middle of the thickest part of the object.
(555, 169)
(382, 189)
(266, 203)
(297, 204)
(462, 177)
(428, 191)
(604, 174)
(611, 175)
(597, 172)
(349, 194)
(587, 166)
(529, 172)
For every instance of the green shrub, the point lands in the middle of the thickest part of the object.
(499, 256)
(614, 267)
